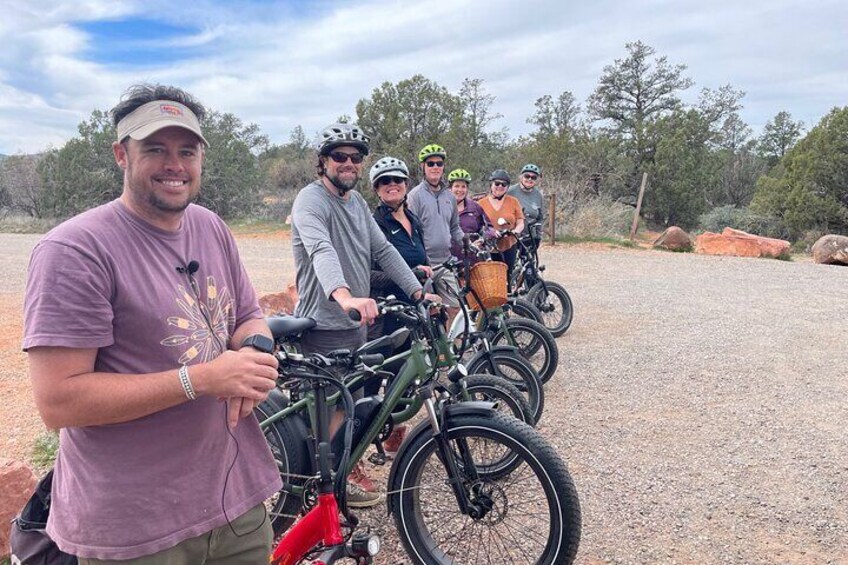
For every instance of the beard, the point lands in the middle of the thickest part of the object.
(160, 204)
(343, 185)
(144, 194)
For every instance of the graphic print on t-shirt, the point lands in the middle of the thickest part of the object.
(204, 326)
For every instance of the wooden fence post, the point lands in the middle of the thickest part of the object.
(552, 218)
(638, 207)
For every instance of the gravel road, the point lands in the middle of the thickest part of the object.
(700, 401)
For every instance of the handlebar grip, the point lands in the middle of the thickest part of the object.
(420, 275)
(371, 359)
(354, 315)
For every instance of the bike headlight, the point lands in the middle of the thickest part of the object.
(373, 546)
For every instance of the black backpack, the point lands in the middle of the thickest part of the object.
(29, 541)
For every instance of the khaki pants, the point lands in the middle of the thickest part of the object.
(217, 547)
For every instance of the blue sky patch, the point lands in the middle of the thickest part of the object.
(139, 42)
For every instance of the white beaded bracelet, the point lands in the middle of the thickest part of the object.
(186, 382)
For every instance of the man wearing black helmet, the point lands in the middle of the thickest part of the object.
(335, 240)
(527, 191)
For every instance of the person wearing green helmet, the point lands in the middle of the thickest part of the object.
(526, 190)
(435, 206)
(472, 219)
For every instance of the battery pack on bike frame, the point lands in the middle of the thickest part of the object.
(364, 412)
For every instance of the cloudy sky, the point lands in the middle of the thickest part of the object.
(286, 63)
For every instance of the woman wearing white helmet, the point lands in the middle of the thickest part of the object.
(389, 178)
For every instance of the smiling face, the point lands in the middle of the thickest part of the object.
(345, 174)
(433, 169)
(498, 188)
(459, 189)
(391, 190)
(528, 180)
(161, 174)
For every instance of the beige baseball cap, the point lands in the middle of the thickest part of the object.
(149, 118)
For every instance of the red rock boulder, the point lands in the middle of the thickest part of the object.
(674, 239)
(831, 250)
(17, 481)
(279, 303)
(738, 243)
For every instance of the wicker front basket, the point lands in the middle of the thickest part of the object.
(488, 280)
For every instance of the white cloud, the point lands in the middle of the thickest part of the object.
(280, 67)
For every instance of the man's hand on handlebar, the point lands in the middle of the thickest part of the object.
(433, 298)
(425, 270)
(366, 308)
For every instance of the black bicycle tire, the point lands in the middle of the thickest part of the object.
(495, 388)
(566, 305)
(543, 339)
(286, 446)
(559, 493)
(530, 382)
(523, 308)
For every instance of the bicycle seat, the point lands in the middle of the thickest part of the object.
(289, 326)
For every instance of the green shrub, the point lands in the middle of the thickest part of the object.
(742, 219)
(27, 224)
(44, 450)
(594, 218)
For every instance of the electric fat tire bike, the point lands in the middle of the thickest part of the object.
(293, 456)
(550, 298)
(468, 484)
(530, 339)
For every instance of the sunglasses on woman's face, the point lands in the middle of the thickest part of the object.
(384, 181)
(340, 157)
(434, 163)
(500, 183)
(530, 177)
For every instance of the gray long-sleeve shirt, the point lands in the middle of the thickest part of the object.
(439, 219)
(334, 241)
(532, 202)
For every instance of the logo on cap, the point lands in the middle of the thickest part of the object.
(170, 109)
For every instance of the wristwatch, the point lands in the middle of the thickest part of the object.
(259, 342)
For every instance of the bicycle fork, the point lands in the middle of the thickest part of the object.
(456, 478)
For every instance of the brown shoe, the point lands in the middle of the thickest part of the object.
(358, 498)
(359, 478)
(392, 443)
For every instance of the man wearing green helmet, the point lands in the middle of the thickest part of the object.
(532, 200)
(435, 206)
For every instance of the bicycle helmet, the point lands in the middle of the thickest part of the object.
(432, 150)
(388, 166)
(499, 174)
(459, 174)
(531, 168)
(338, 135)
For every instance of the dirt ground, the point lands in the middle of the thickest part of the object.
(700, 402)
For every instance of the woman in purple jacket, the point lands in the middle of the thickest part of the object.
(472, 219)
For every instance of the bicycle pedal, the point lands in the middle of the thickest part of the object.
(377, 458)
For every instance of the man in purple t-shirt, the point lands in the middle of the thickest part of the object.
(139, 318)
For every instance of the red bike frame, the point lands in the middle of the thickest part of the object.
(321, 524)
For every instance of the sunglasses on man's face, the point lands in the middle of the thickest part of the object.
(341, 157)
(434, 163)
(530, 177)
(384, 181)
(500, 183)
